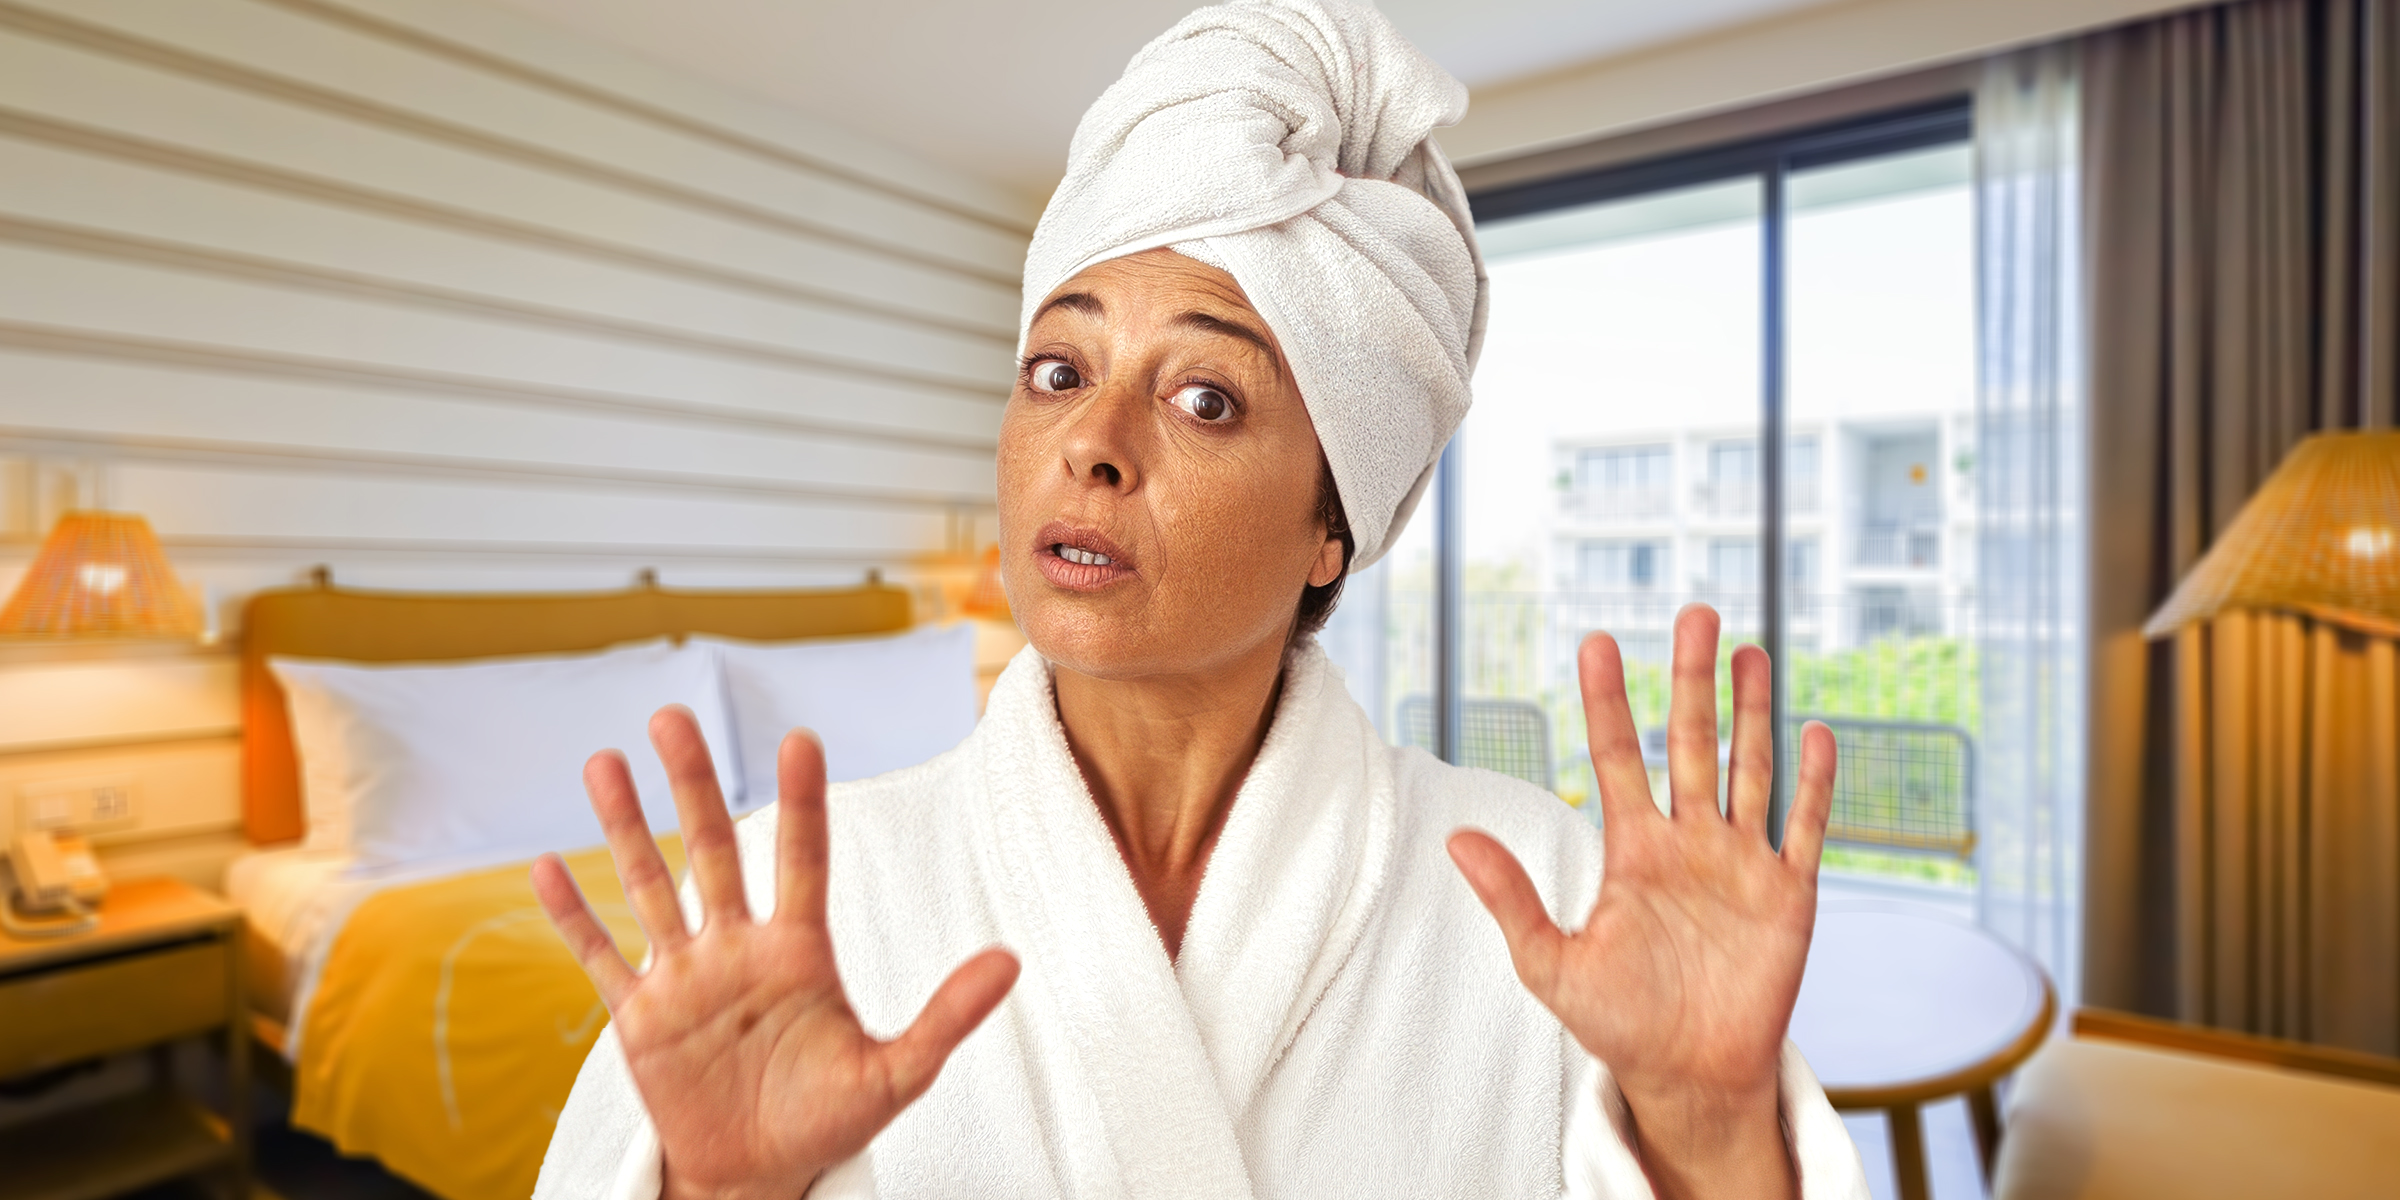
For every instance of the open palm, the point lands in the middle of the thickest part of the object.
(747, 1055)
(1682, 978)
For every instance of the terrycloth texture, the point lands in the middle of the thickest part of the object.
(1286, 142)
(1343, 1020)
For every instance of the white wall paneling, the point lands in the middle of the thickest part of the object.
(439, 298)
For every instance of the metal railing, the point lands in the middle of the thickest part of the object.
(1508, 736)
(1517, 649)
(1901, 785)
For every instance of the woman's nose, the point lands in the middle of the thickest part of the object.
(1100, 443)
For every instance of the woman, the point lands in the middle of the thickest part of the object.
(1217, 926)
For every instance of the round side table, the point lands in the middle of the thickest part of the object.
(1901, 1008)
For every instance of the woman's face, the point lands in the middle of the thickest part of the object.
(1158, 475)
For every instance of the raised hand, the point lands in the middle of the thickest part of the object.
(754, 1069)
(1682, 979)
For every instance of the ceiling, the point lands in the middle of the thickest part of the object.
(994, 89)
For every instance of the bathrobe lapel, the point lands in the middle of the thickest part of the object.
(1121, 1045)
(1295, 875)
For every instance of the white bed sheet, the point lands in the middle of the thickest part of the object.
(296, 899)
(289, 895)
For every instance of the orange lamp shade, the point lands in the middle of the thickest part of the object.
(2321, 537)
(987, 598)
(100, 574)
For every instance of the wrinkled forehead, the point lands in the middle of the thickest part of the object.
(1164, 291)
(1153, 280)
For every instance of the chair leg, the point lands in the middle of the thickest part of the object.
(1908, 1152)
(1986, 1111)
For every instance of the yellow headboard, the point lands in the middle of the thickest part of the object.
(369, 626)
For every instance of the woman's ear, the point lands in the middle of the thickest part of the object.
(1328, 566)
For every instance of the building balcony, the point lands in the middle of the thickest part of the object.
(1616, 505)
(1899, 547)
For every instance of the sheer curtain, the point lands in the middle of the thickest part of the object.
(2030, 508)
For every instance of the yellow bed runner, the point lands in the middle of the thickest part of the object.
(448, 1024)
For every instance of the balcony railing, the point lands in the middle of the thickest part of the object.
(1726, 498)
(1889, 544)
(1903, 695)
(1615, 504)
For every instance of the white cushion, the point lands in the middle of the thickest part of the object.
(482, 761)
(878, 704)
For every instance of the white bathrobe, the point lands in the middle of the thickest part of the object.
(1342, 1020)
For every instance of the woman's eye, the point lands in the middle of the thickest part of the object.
(1204, 402)
(1051, 375)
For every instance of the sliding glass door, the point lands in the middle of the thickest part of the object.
(1744, 377)
(1609, 471)
(1879, 501)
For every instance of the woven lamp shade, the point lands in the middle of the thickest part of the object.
(2321, 537)
(100, 575)
(987, 599)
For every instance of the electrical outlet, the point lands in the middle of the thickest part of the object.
(83, 805)
(112, 804)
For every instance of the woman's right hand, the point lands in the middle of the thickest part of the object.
(755, 1071)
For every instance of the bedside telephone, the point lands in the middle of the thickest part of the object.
(52, 876)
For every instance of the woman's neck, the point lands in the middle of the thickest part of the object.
(1163, 758)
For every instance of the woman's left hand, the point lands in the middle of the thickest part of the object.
(1683, 977)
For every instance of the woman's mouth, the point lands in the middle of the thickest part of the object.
(1079, 559)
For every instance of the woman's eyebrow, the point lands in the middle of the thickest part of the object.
(1211, 323)
(1082, 302)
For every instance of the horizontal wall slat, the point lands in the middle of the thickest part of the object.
(202, 500)
(48, 183)
(68, 702)
(503, 41)
(267, 457)
(347, 63)
(316, 248)
(376, 84)
(127, 404)
(840, 410)
(143, 299)
(65, 84)
(722, 253)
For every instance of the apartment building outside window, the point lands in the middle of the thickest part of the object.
(1620, 454)
(1731, 489)
(1623, 481)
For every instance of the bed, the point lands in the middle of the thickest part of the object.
(428, 1017)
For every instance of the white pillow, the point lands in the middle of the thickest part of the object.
(878, 704)
(483, 761)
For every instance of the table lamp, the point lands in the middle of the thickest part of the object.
(2321, 537)
(100, 575)
(986, 599)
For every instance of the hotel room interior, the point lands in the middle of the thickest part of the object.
(2022, 374)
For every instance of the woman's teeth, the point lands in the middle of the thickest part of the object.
(1076, 554)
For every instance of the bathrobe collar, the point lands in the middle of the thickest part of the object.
(1176, 1053)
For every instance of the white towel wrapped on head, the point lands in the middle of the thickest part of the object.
(1288, 143)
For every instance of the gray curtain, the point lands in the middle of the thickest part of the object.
(2242, 209)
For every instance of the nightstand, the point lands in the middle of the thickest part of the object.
(164, 965)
